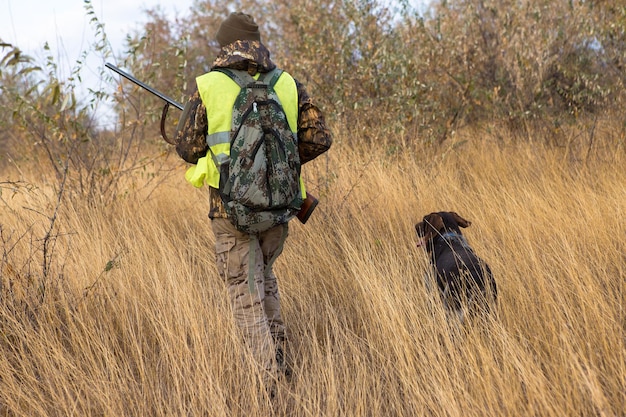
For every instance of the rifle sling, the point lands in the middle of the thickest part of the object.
(163, 117)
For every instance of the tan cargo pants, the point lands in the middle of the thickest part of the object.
(245, 264)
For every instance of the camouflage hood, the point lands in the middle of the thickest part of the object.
(244, 55)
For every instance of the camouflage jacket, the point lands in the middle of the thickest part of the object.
(251, 56)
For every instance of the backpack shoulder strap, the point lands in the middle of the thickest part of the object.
(273, 76)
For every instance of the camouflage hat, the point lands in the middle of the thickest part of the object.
(237, 27)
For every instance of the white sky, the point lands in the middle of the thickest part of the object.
(64, 24)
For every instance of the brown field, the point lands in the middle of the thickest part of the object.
(119, 312)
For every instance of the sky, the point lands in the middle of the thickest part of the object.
(65, 26)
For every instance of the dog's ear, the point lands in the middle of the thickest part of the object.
(460, 220)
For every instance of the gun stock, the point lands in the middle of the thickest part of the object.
(307, 208)
(168, 100)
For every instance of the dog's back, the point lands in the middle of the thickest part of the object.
(463, 278)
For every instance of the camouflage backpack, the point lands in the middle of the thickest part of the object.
(260, 186)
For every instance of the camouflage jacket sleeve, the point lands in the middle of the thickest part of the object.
(314, 137)
(191, 145)
(191, 130)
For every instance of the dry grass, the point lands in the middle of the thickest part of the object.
(131, 319)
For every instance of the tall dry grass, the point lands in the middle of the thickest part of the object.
(131, 319)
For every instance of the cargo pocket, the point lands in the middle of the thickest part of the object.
(226, 267)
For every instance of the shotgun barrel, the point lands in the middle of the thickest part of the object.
(144, 86)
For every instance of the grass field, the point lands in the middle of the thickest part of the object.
(119, 311)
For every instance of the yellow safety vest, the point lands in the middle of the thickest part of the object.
(218, 93)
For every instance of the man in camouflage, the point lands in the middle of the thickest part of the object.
(256, 310)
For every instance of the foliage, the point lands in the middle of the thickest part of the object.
(387, 71)
(523, 60)
(44, 124)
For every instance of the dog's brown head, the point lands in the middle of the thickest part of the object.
(435, 224)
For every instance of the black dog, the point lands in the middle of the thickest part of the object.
(465, 281)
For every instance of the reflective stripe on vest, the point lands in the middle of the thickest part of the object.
(218, 93)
